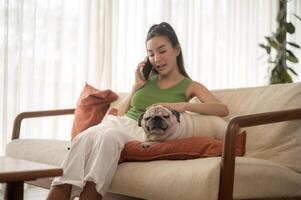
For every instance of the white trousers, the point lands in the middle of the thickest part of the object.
(94, 153)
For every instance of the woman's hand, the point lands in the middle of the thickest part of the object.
(139, 81)
(180, 107)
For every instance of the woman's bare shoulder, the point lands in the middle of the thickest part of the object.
(196, 88)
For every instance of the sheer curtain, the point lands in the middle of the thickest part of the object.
(49, 48)
(219, 38)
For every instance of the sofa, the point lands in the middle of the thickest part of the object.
(270, 168)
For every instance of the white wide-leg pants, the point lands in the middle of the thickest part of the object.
(94, 153)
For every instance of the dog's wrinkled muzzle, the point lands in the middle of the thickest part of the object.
(157, 125)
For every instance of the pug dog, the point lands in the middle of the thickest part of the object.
(162, 124)
(159, 124)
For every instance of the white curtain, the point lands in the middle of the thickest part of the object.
(49, 48)
(219, 38)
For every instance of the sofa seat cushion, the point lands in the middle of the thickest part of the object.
(46, 151)
(181, 179)
(200, 177)
(257, 178)
(162, 179)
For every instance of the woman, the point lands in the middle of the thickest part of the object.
(93, 158)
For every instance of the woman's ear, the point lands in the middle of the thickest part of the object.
(178, 49)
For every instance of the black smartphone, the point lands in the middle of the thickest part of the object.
(147, 69)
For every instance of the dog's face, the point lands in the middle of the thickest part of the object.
(159, 122)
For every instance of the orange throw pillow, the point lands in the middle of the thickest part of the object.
(180, 149)
(91, 108)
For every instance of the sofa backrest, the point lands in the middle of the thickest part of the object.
(280, 142)
(260, 99)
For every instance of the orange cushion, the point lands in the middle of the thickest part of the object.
(180, 149)
(91, 108)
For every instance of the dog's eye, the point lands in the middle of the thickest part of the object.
(166, 116)
(147, 118)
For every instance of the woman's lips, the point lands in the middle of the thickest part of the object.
(161, 67)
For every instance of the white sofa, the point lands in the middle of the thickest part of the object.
(271, 167)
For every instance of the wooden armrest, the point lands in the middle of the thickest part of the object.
(228, 156)
(34, 114)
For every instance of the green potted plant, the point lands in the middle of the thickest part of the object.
(277, 50)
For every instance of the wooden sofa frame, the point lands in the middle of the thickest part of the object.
(228, 155)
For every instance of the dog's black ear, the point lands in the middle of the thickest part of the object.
(177, 114)
(140, 119)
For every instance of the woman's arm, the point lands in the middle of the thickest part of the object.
(139, 82)
(207, 108)
(210, 104)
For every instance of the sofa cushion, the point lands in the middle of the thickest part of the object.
(192, 179)
(46, 151)
(279, 142)
(180, 149)
(178, 180)
(257, 178)
(91, 108)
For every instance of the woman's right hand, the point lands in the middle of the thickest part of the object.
(139, 81)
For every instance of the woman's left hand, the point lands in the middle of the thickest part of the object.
(180, 107)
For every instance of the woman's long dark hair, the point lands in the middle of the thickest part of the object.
(165, 29)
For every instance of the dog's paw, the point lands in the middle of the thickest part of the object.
(146, 145)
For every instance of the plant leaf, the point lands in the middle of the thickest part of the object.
(275, 76)
(293, 71)
(289, 27)
(291, 57)
(294, 44)
(280, 75)
(272, 42)
(262, 45)
(297, 16)
(286, 77)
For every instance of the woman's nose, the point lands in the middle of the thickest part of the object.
(157, 58)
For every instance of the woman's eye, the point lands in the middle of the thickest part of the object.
(161, 52)
(151, 55)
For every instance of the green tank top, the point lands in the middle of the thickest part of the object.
(150, 93)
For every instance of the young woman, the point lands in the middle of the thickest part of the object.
(93, 157)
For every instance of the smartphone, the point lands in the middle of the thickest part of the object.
(147, 69)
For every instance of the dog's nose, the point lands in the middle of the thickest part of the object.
(157, 122)
(157, 119)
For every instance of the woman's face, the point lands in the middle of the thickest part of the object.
(162, 55)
